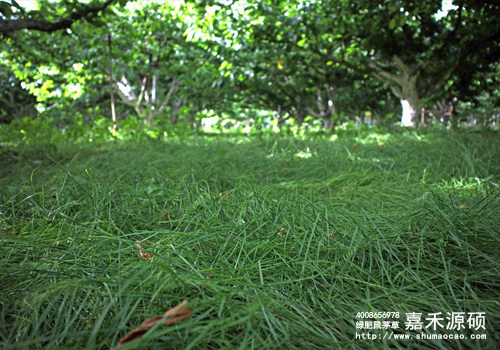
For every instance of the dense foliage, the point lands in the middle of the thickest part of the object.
(176, 67)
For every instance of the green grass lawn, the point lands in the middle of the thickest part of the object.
(277, 243)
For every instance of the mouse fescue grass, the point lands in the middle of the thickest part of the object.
(277, 243)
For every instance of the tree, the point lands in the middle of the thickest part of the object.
(171, 71)
(274, 67)
(407, 46)
(404, 44)
(46, 50)
(142, 52)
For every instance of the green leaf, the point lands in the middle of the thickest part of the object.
(397, 21)
(402, 21)
(392, 23)
(223, 65)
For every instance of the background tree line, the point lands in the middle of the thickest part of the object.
(259, 64)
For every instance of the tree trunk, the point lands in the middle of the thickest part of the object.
(410, 102)
(110, 76)
(410, 112)
(404, 86)
(326, 110)
(149, 118)
(146, 105)
(300, 114)
(193, 123)
(175, 109)
(328, 124)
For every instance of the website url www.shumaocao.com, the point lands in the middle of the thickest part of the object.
(422, 336)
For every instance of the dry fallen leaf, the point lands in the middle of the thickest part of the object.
(83, 321)
(178, 313)
(143, 255)
(280, 233)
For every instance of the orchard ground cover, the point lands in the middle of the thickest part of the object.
(275, 242)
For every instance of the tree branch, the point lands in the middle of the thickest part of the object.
(143, 89)
(385, 76)
(330, 107)
(126, 93)
(435, 86)
(44, 26)
(401, 65)
(172, 90)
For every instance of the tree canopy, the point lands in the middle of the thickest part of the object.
(329, 61)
